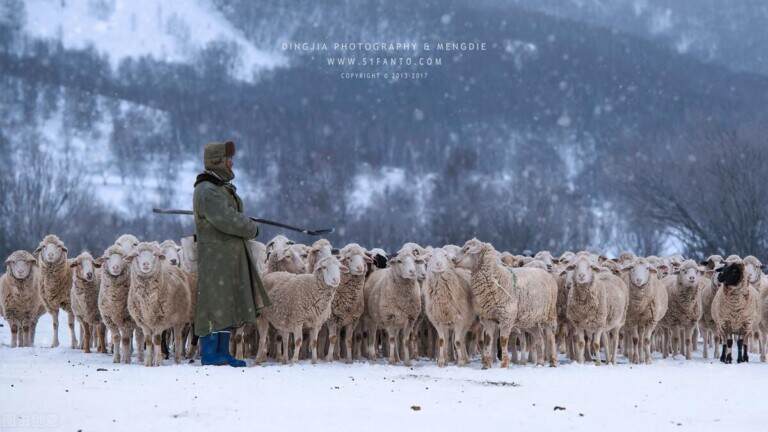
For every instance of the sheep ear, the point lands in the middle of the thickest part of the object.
(64, 248)
(72, 264)
(367, 258)
(96, 263)
(343, 268)
(37, 251)
(161, 256)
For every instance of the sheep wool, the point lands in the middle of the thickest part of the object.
(55, 284)
(86, 278)
(113, 303)
(158, 300)
(20, 298)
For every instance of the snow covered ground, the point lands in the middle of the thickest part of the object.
(63, 389)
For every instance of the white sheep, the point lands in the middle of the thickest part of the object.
(586, 307)
(172, 252)
(128, 242)
(113, 303)
(158, 300)
(448, 304)
(684, 289)
(55, 284)
(319, 249)
(617, 298)
(188, 256)
(392, 303)
(86, 280)
(349, 302)
(20, 297)
(760, 282)
(507, 299)
(647, 306)
(707, 323)
(299, 301)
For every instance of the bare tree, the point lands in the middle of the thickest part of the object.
(706, 189)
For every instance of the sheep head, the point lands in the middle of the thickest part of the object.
(319, 249)
(379, 257)
(469, 255)
(114, 259)
(188, 253)
(51, 249)
(171, 251)
(404, 265)
(85, 267)
(19, 264)
(330, 269)
(546, 258)
(640, 272)
(732, 274)
(128, 242)
(754, 269)
(146, 259)
(583, 270)
(439, 261)
(354, 257)
(689, 274)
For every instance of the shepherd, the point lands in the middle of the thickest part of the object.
(229, 290)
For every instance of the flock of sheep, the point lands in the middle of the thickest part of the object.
(449, 303)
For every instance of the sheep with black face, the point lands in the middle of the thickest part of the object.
(735, 309)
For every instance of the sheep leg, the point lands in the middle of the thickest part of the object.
(646, 341)
(406, 346)
(349, 335)
(489, 331)
(596, 347)
(459, 342)
(313, 332)
(763, 339)
(538, 347)
(262, 326)
(71, 325)
(141, 345)
(371, 343)
(504, 333)
(665, 344)
(513, 339)
(298, 334)
(549, 333)
(441, 344)
(695, 338)
(55, 320)
(14, 334)
(333, 335)
(688, 335)
(101, 335)
(157, 350)
(705, 343)
(85, 334)
(116, 339)
(239, 343)
(581, 342)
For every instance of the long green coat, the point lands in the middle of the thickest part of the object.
(227, 283)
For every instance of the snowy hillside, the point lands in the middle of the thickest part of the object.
(64, 389)
(172, 31)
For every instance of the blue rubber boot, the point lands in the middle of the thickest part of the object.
(209, 351)
(223, 350)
